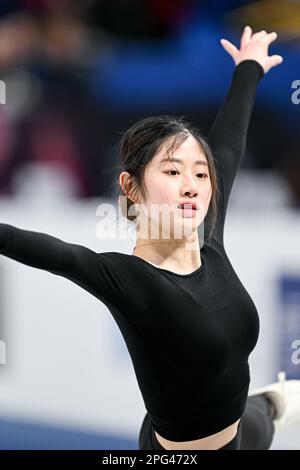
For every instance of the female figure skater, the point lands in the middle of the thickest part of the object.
(188, 322)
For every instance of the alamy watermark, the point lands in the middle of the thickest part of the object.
(158, 221)
(296, 94)
(2, 92)
(295, 358)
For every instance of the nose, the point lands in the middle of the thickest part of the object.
(189, 188)
(190, 193)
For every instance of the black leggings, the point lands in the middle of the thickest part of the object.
(255, 429)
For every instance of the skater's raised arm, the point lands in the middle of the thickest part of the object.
(227, 137)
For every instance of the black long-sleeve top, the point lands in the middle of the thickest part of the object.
(189, 335)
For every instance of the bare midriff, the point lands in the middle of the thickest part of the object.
(212, 442)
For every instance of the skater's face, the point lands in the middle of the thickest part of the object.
(185, 178)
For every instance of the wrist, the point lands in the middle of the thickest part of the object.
(252, 63)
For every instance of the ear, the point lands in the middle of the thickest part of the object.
(125, 182)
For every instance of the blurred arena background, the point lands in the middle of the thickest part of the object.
(76, 75)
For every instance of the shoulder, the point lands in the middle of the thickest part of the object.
(124, 264)
(127, 279)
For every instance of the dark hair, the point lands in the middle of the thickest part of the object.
(141, 142)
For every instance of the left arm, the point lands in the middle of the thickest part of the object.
(235, 113)
(227, 137)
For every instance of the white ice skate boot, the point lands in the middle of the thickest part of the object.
(285, 396)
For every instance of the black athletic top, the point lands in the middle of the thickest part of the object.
(189, 335)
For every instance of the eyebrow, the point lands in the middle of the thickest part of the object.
(178, 160)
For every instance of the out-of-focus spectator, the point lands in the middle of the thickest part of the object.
(148, 19)
(58, 127)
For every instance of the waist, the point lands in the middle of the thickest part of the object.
(203, 425)
(213, 442)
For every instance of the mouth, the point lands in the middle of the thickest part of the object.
(188, 210)
(190, 206)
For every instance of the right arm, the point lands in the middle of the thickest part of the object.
(74, 262)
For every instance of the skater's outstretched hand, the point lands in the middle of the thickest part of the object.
(253, 47)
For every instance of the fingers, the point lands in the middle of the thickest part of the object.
(246, 36)
(253, 46)
(274, 60)
(271, 37)
(229, 47)
(258, 35)
(268, 37)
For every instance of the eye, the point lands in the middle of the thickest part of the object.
(203, 174)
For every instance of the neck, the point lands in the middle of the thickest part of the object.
(166, 243)
(174, 253)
